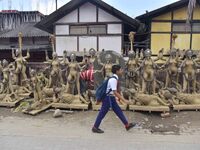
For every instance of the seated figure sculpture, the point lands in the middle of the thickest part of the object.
(184, 98)
(141, 99)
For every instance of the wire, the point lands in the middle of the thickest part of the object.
(52, 4)
(46, 6)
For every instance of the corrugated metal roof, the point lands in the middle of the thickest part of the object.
(27, 29)
(4, 31)
(25, 47)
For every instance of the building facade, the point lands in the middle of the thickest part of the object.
(171, 19)
(37, 41)
(11, 19)
(85, 24)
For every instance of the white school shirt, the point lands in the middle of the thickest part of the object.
(112, 84)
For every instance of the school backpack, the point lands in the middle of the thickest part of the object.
(101, 90)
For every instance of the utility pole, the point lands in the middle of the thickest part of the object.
(56, 4)
(9, 4)
(38, 5)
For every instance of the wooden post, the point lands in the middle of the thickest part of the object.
(56, 4)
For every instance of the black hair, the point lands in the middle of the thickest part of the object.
(115, 68)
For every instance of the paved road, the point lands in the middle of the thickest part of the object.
(72, 132)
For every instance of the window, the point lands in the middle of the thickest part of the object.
(181, 27)
(97, 29)
(78, 29)
(196, 27)
(88, 29)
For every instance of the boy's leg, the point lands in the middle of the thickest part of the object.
(104, 109)
(118, 111)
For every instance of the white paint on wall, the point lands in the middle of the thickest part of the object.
(106, 17)
(88, 13)
(62, 29)
(110, 43)
(114, 28)
(66, 43)
(70, 18)
(87, 42)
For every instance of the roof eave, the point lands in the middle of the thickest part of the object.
(39, 26)
(163, 10)
(44, 24)
(47, 23)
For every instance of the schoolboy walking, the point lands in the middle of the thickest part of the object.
(110, 102)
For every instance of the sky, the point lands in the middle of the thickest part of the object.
(132, 8)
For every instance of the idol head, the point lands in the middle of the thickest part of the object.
(108, 57)
(147, 53)
(92, 52)
(73, 56)
(131, 54)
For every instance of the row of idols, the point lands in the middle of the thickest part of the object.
(150, 83)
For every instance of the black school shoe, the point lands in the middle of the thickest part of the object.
(97, 130)
(130, 125)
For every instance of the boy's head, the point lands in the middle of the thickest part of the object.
(117, 69)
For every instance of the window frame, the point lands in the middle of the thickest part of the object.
(181, 31)
(71, 26)
(88, 27)
(198, 31)
(184, 22)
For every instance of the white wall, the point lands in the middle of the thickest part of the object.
(110, 43)
(62, 29)
(114, 28)
(87, 13)
(70, 18)
(106, 17)
(66, 43)
(87, 42)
